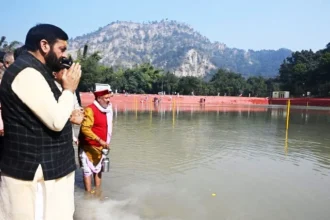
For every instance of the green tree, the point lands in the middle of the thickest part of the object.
(273, 84)
(189, 84)
(256, 86)
(167, 82)
(229, 83)
(306, 71)
(92, 72)
(6, 46)
(140, 79)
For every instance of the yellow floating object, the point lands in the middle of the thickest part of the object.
(213, 194)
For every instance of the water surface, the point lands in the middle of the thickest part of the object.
(219, 164)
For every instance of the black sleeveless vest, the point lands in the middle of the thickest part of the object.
(27, 141)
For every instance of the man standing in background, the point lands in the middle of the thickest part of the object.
(8, 59)
(95, 135)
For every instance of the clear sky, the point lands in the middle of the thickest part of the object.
(244, 24)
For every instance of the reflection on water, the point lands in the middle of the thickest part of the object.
(167, 165)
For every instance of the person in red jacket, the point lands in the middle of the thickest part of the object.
(95, 135)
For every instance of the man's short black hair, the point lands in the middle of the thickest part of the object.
(49, 32)
(19, 51)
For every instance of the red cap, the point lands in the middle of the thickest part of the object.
(101, 93)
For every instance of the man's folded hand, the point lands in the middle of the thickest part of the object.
(77, 116)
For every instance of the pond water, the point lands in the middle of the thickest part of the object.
(220, 164)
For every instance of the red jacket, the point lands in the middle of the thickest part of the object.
(100, 127)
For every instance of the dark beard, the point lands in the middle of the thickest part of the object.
(53, 62)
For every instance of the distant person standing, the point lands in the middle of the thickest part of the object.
(37, 144)
(8, 59)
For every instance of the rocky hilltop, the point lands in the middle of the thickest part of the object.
(175, 47)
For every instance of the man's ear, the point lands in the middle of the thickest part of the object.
(44, 46)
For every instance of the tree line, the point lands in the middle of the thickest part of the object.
(302, 72)
(306, 71)
(145, 78)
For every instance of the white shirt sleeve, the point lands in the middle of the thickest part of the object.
(33, 90)
(75, 102)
